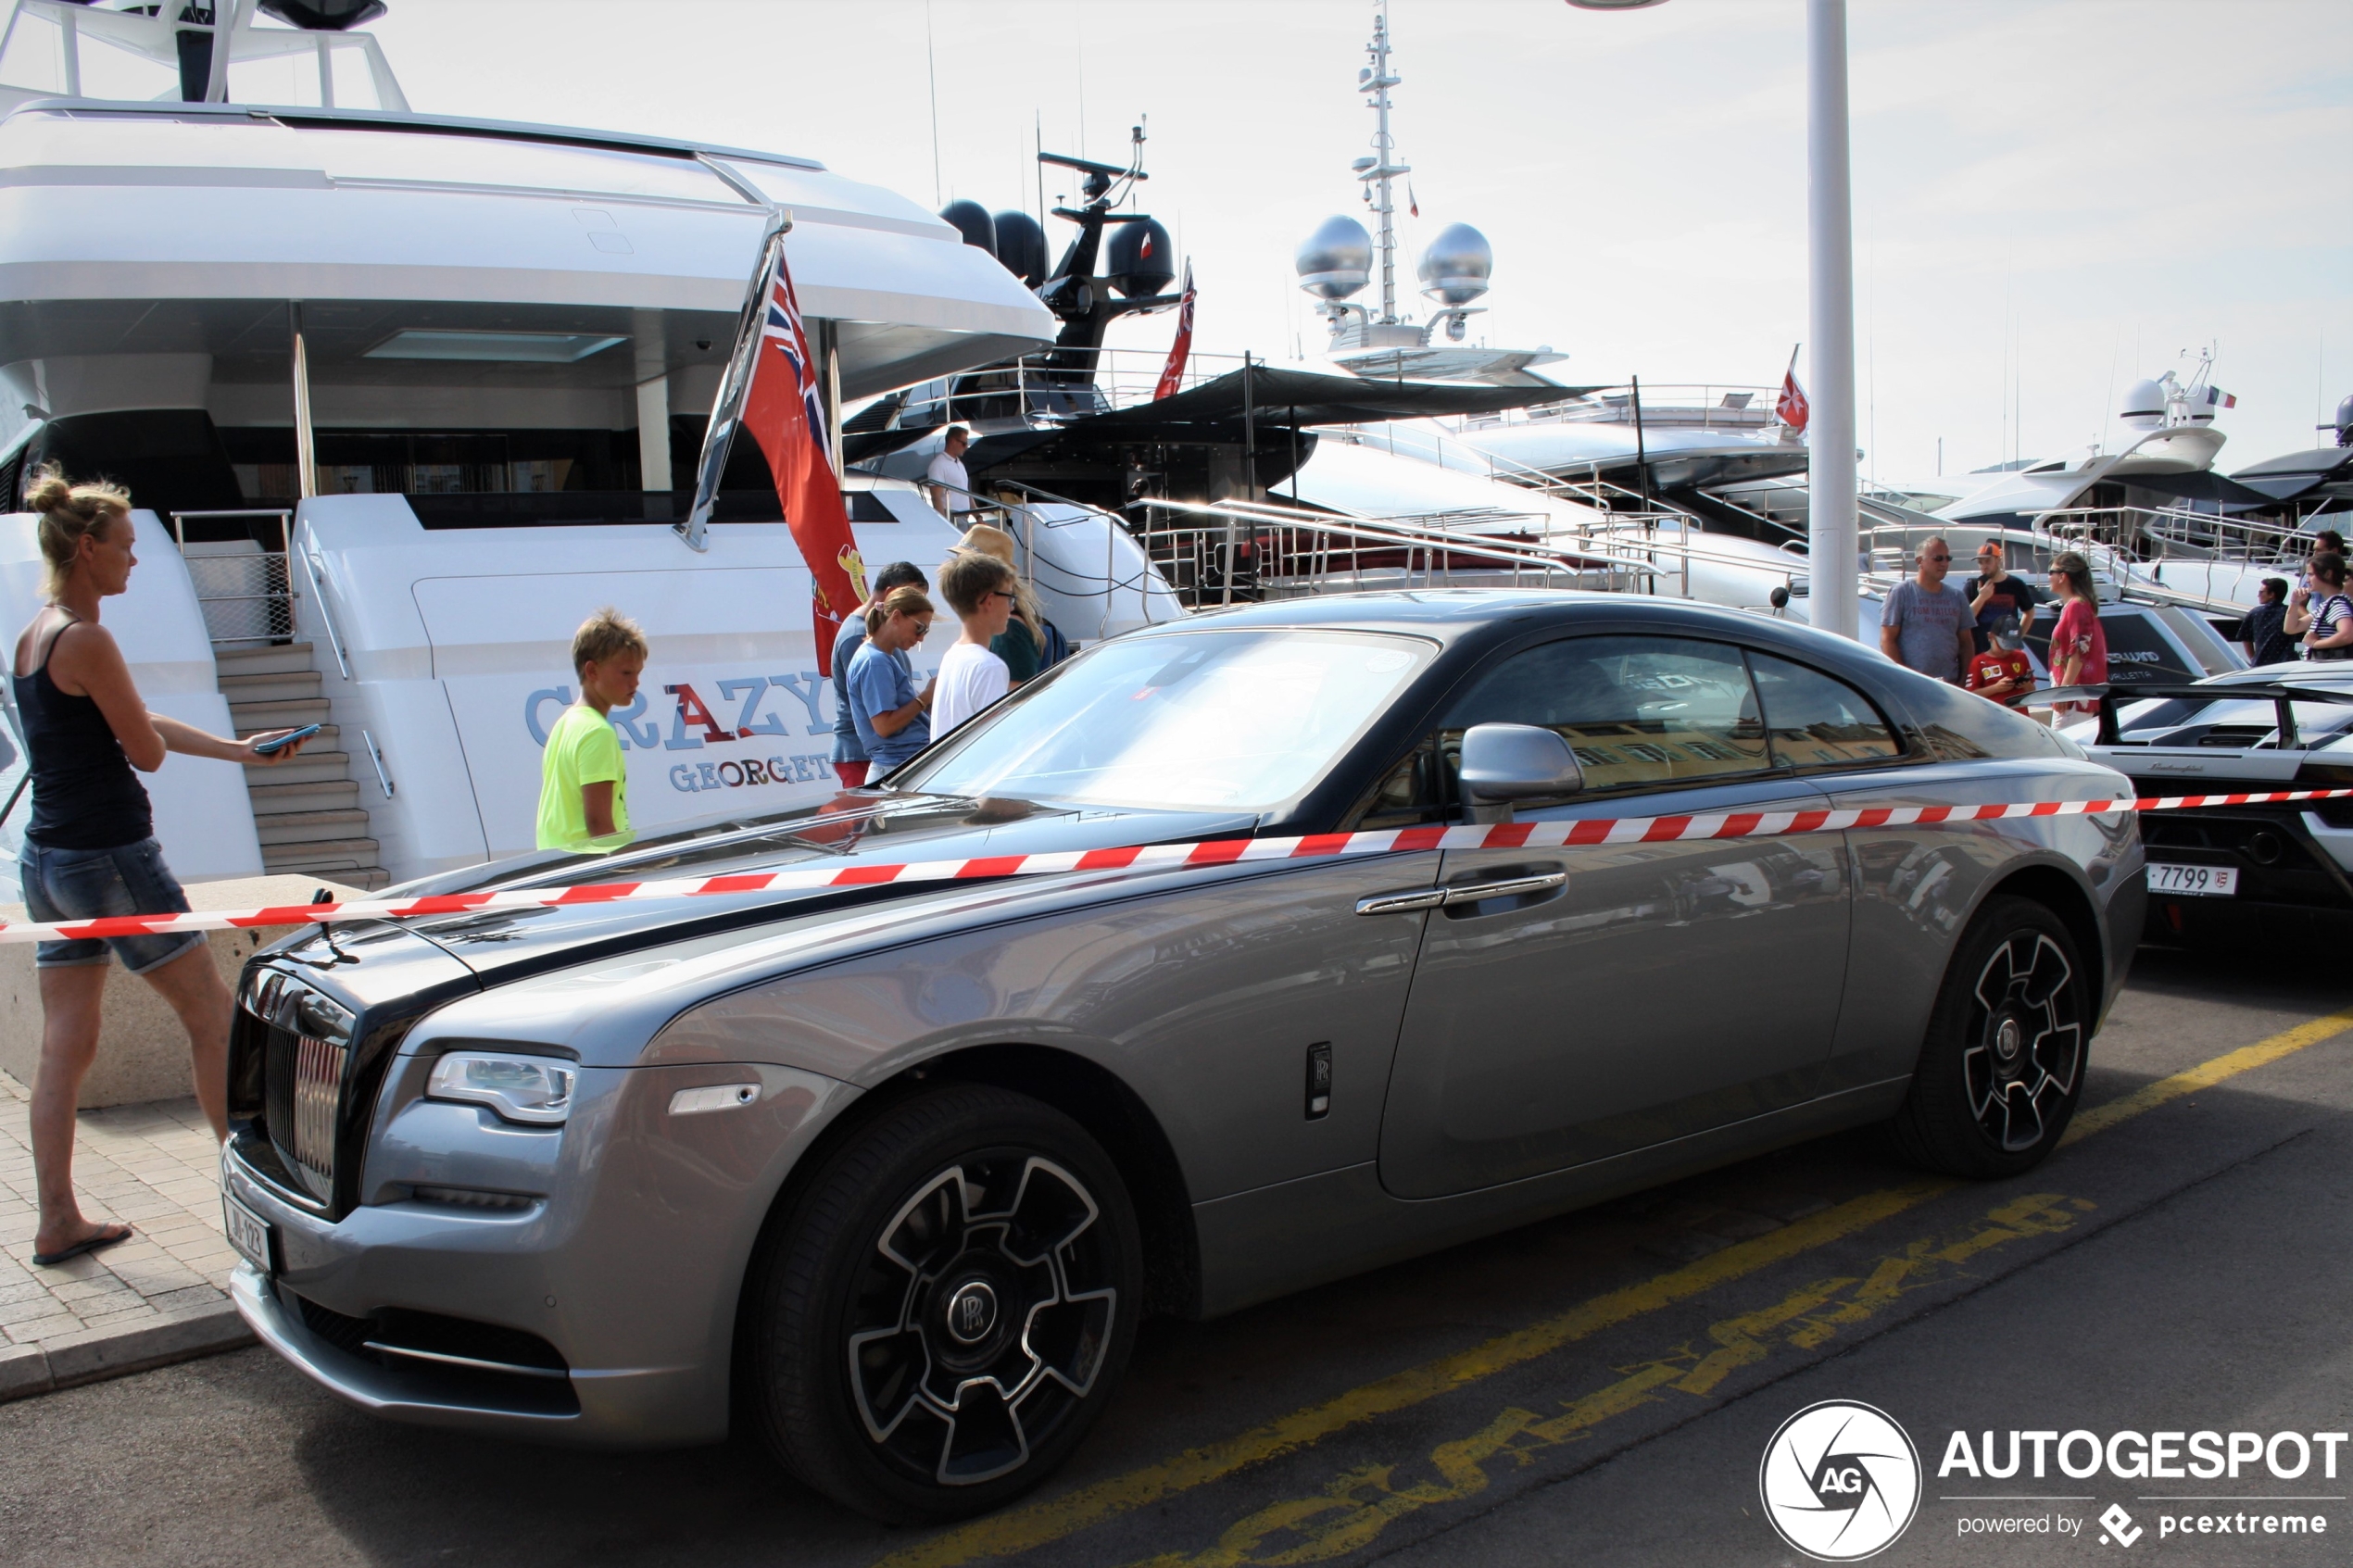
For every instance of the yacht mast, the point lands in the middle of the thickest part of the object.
(1379, 170)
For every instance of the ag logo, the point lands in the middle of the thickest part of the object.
(1841, 1481)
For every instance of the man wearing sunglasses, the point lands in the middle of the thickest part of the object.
(1927, 626)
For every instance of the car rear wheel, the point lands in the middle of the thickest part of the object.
(946, 1307)
(2003, 1064)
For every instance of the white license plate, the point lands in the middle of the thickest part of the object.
(248, 1232)
(2197, 882)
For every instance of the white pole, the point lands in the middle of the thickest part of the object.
(1830, 464)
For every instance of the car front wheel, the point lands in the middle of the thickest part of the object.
(2002, 1067)
(945, 1307)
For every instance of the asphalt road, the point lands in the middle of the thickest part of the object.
(1598, 1389)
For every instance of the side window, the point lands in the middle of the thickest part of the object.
(1640, 712)
(1816, 722)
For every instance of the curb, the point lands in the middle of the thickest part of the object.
(94, 1355)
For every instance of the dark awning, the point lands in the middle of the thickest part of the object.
(2231, 496)
(2294, 474)
(1314, 397)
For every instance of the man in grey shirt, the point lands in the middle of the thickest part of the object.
(1926, 625)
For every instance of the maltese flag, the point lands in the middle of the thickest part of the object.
(1792, 408)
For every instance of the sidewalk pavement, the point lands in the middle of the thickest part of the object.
(159, 1296)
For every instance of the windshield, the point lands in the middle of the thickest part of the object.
(1237, 721)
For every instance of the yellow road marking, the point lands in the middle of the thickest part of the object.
(1358, 1505)
(1034, 1524)
(2206, 1074)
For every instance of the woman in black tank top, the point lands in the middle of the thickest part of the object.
(90, 849)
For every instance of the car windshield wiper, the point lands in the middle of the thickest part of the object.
(2283, 696)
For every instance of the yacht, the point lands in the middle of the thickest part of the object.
(402, 398)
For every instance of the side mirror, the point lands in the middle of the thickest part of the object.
(1507, 762)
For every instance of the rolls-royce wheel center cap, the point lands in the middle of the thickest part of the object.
(972, 1312)
(2007, 1038)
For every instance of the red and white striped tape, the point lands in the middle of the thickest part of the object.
(1149, 857)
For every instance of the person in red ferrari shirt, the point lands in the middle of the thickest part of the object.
(2003, 672)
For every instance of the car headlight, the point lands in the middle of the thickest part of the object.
(534, 1090)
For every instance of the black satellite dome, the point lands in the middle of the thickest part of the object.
(1021, 245)
(324, 15)
(1142, 259)
(972, 220)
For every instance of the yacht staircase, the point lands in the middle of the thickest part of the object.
(306, 810)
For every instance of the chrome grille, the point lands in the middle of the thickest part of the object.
(305, 1049)
(318, 1093)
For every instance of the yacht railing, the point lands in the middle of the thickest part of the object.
(1232, 552)
(246, 596)
(1213, 553)
(2178, 534)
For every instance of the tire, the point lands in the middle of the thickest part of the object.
(2002, 1066)
(945, 1307)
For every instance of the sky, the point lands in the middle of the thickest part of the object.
(2052, 198)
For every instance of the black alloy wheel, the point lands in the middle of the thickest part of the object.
(945, 1308)
(2003, 1064)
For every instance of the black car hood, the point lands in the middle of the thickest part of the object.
(858, 829)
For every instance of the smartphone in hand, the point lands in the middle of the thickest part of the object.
(279, 742)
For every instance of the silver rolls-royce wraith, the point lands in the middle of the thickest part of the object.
(889, 1171)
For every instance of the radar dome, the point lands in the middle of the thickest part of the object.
(1021, 245)
(1337, 259)
(2144, 405)
(972, 220)
(2345, 423)
(1141, 259)
(1457, 267)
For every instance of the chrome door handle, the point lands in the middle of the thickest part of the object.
(1400, 903)
(1507, 887)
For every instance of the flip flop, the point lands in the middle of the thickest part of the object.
(90, 1242)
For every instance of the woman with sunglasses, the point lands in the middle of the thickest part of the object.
(2079, 646)
(888, 710)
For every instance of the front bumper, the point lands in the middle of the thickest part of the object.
(600, 1313)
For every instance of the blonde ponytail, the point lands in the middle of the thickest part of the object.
(70, 513)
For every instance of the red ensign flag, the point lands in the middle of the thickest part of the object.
(785, 414)
(1793, 408)
(1172, 375)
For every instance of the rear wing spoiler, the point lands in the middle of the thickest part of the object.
(2280, 693)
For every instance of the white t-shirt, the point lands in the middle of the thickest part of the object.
(970, 679)
(949, 473)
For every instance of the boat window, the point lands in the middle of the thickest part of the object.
(1640, 712)
(1244, 721)
(1815, 722)
(100, 67)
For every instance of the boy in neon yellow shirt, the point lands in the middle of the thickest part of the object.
(584, 789)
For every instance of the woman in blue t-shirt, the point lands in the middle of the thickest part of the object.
(888, 710)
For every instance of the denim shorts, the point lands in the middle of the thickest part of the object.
(130, 879)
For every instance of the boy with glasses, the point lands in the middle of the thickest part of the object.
(980, 590)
